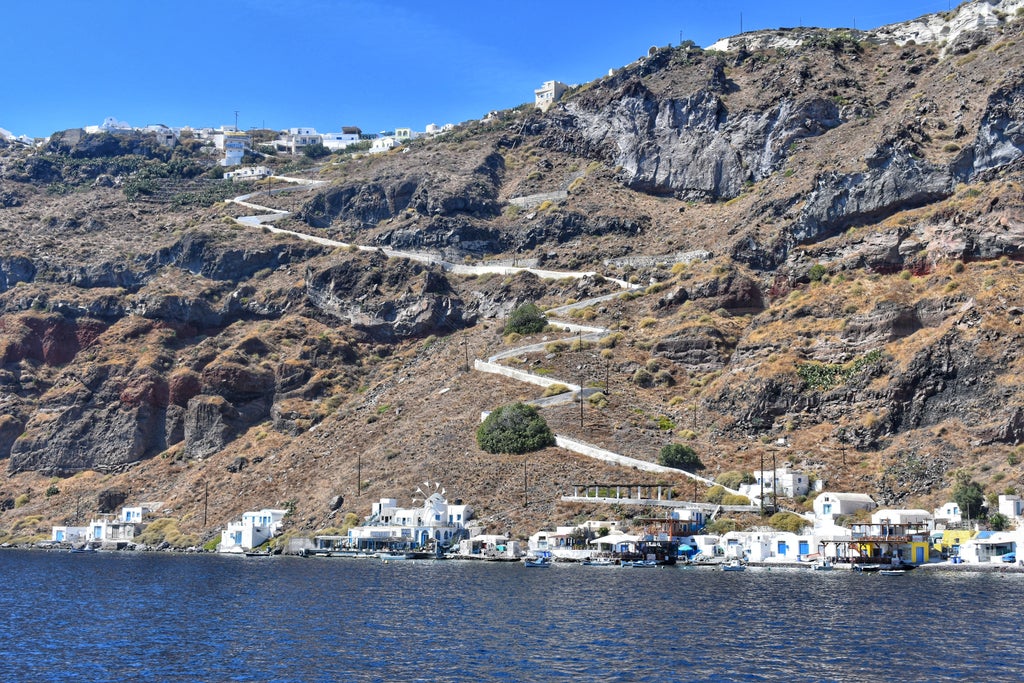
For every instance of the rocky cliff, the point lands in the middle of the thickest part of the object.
(823, 227)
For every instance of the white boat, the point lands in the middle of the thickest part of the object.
(600, 562)
(537, 562)
(822, 566)
(734, 566)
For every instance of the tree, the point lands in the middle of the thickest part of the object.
(315, 151)
(969, 495)
(515, 428)
(998, 521)
(527, 319)
(680, 457)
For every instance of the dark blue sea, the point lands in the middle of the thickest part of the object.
(165, 617)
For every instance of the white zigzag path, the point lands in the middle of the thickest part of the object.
(491, 365)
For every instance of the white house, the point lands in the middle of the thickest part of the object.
(437, 522)
(769, 545)
(829, 504)
(988, 546)
(248, 173)
(548, 94)
(948, 514)
(101, 530)
(570, 541)
(383, 144)
(782, 481)
(234, 145)
(255, 529)
(1011, 505)
(347, 136)
(909, 518)
(294, 140)
(137, 514)
(69, 534)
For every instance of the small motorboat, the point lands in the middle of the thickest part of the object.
(536, 562)
(734, 566)
(822, 566)
(600, 562)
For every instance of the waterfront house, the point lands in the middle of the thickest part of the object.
(917, 519)
(988, 546)
(570, 542)
(490, 547)
(886, 541)
(435, 523)
(69, 534)
(137, 514)
(255, 529)
(115, 531)
(831, 505)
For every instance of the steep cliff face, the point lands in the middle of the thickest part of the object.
(690, 147)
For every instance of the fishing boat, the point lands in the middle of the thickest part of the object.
(734, 566)
(600, 562)
(822, 566)
(536, 562)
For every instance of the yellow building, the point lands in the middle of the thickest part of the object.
(950, 540)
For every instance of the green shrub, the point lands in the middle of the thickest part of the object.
(735, 499)
(680, 457)
(715, 494)
(817, 272)
(787, 521)
(527, 319)
(643, 378)
(733, 479)
(22, 500)
(515, 428)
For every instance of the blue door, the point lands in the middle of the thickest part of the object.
(920, 555)
(805, 548)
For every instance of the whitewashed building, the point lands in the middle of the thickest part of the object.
(69, 534)
(783, 482)
(831, 505)
(248, 173)
(255, 529)
(948, 514)
(548, 94)
(383, 144)
(1011, 505)
(336, 141)
(988, 546)
(921, 519)
(437, 522)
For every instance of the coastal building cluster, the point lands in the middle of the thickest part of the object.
(842, 530)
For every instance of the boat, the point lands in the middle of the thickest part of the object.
(257, 553)
(822, 566)
(640, 563)
(536, 562)
(892, 572)
(394, 556)
(600, 562)
(734, 566)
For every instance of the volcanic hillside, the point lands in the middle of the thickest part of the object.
(823, 231)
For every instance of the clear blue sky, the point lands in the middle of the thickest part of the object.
(322, 63)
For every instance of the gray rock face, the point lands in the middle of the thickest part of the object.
(839, 201)
(358, 294)
(1000, 139)
(15, 269)
(210, 424)
(692, 148)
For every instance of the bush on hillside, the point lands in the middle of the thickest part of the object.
(787, 521)
(680, 457)
(527, 319)
(515, 428)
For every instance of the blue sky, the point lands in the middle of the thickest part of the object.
(326, 64)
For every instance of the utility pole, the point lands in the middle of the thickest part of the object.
(236, 120)
(206, 500)
(526, 495)
(359, 474)
(581, 381)
(761, 478)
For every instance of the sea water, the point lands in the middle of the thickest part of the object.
(163, 617)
